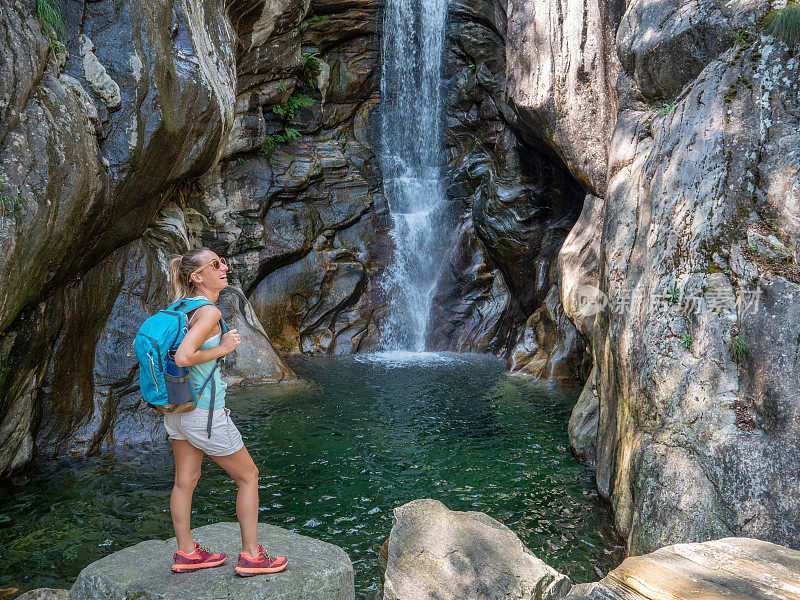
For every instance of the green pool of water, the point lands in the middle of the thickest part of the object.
(336, 454)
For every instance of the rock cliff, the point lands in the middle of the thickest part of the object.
(247, 127)
(682, 271)
(622, 179)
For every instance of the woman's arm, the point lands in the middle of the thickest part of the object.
(205, 323)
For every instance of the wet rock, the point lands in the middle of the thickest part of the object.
(471, 299)
(726, 568)
(254, 360)
(518, 201)
(549, 346)
(438, 553)
(316, 571)
(582, 428)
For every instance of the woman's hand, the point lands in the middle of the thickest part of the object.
(230, 340)
(206, 324)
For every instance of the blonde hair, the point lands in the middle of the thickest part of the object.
(180, 268)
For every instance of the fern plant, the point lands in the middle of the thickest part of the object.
(295, 102)
(784, 23)
(312, 65)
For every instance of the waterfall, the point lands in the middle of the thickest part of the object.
(410, 156)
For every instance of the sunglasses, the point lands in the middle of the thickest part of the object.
(215, 264)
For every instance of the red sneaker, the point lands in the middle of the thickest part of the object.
(263, 563)
(199, 558)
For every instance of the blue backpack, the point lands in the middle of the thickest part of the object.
(165, 386)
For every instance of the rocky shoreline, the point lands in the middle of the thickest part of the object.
(623, 183)
(437, 553)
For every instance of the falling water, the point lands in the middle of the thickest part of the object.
(411, 161)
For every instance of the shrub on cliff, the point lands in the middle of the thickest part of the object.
(784, 23)
(49, 14)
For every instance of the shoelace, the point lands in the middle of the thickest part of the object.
(203, 548)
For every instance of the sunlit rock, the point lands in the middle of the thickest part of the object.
(316, 570)
(718, 570)
(438, 553)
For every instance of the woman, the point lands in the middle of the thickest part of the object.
(201, 273)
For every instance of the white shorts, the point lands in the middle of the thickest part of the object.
(191, 426)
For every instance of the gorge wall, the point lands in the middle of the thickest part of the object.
(682, 270)
(249, 128)
(620, 178)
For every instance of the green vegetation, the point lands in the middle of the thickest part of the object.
(312, 65)
(744, 38)
(784, 23)
(287, 112)
(687, 340)
(471, 66)
(674, 294)
(732, 91)
(272, 139)
(738, 348)
(295, 102)
(49, 14)
(314, 19)
(10, 203)
(666, 108)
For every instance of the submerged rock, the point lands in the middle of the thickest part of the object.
(727, 568)
(44, 594)
(439, 553)
(316, 571)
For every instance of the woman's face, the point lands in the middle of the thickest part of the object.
(208, 277)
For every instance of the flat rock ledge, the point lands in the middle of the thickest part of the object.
(439, 554)
(317, 570)
(726, 569)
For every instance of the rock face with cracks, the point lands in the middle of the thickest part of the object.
(692, 324)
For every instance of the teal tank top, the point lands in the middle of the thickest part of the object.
(200, 373)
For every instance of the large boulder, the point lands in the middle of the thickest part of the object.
(438, 553)
(316, 571)
(696, 354)
(719, 570)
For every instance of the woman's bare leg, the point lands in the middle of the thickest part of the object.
(188, 460)
(241, 467)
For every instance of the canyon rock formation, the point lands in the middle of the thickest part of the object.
(692, 407)
(623, 206)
